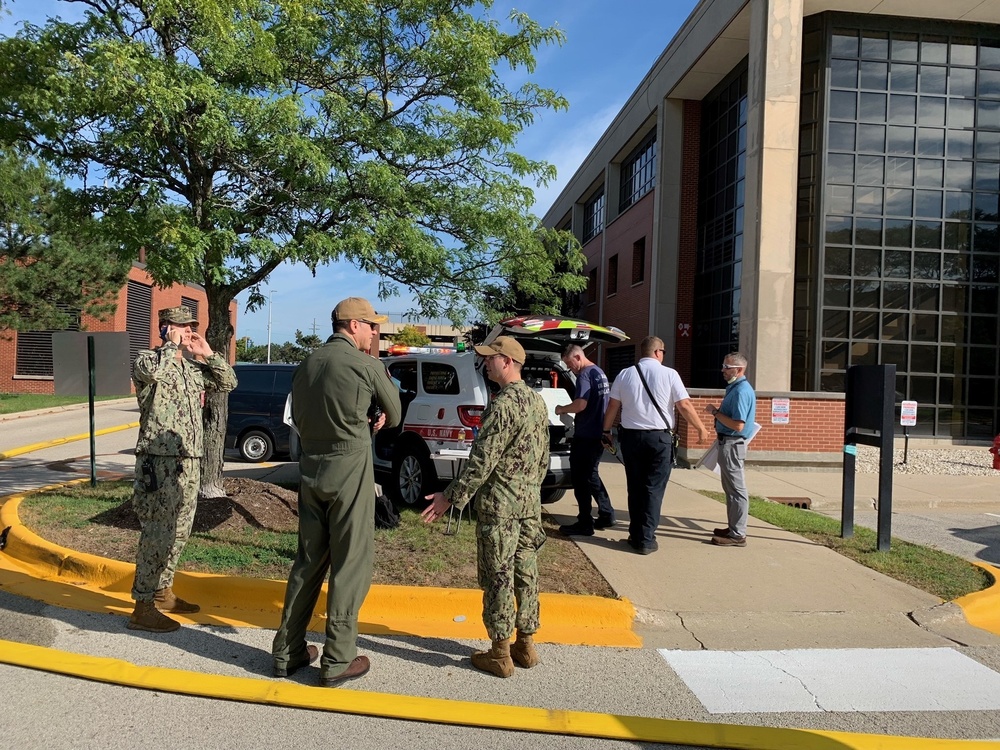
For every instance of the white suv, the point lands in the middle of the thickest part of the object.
(444, 392)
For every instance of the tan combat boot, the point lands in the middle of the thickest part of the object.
(495, 661)
(522, 651)
(166, 601)
(147, 617)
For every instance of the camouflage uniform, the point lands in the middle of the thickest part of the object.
(332, 391)
(168, 457)
(507, 464)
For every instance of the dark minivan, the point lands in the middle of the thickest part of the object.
(256, 410)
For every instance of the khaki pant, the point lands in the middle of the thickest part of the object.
(336, 534)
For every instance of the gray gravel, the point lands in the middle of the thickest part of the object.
(950, 461)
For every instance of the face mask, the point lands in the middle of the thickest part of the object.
(732, 380)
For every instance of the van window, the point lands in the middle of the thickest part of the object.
(439, 378)
(283, 380)
(253, 380)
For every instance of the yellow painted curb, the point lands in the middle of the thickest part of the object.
(982, 608)
(462, 713)
(60, 441)
(37, 569)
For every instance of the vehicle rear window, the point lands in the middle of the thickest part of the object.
(439, 378)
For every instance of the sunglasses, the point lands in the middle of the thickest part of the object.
(731, 367)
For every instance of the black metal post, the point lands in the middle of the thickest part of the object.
(847, 494)
(92, 390)
(886, 453)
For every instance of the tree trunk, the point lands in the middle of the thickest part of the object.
(218, 333)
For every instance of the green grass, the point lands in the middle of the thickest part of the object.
(930, 570)
(89, 519)
(15, 402)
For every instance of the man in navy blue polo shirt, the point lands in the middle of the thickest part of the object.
(589, 405)
(734, 420)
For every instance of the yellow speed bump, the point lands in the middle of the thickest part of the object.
(35, 568)
(462, 713)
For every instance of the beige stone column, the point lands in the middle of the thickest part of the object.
(665, 244)
(772, 170)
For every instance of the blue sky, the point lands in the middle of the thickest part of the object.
(609, 48)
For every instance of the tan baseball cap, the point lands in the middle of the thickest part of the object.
(504, 345)
(179, 316)
(357, 308)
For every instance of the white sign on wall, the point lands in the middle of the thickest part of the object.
(908, 413)
(780, 408)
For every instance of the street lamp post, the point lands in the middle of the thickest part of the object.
(269, 292)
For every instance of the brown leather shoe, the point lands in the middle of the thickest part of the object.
(358, 667)
(312, 654)
(730, 541)
(167, 601)
(724, 531)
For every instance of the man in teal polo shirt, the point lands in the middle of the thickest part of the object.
(734, 420)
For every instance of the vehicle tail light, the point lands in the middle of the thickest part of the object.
(470, 416)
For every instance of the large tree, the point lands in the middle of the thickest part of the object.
(226, 137)
(54, 262)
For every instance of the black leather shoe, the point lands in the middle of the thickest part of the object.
(576, 529)
(358, 667)
(644, 549)
(603, 522)
(312, 654)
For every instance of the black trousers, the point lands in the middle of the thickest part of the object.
(584, 462)
(647, 455)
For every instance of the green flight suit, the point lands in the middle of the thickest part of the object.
(507, 463)
(332, 391)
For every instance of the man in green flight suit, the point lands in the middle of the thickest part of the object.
(332, 392)
(507, 463)
(170, 388)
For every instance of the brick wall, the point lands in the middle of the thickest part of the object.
(814, 433)
(628, 309)
(170, 297)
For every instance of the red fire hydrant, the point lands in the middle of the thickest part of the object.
(995, 450)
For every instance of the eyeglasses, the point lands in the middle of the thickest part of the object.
(658, 351)
(732, 367)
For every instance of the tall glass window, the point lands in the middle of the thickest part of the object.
(909, 262)
(720, 227)
(638, 174)
(593, 217)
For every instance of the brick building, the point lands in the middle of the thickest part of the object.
(815, 183)
(26, 358)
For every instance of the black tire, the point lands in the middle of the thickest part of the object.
(255, 446)
(413, 474)
(552, 495)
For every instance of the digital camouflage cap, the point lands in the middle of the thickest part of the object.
(178, 316)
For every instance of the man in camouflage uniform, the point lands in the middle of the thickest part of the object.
(170, 388)
(332, 392)
(507, 463)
